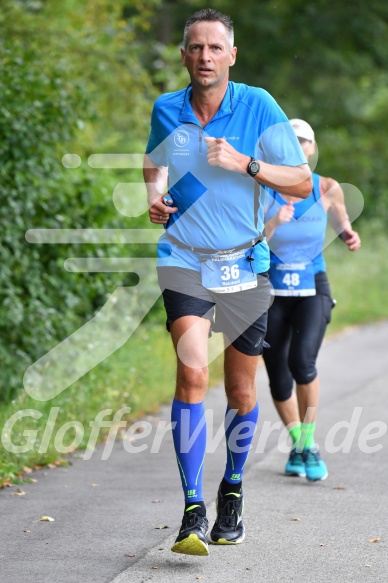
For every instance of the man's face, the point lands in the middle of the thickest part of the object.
(208, 55)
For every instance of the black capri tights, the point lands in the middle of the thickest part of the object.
(296, 327)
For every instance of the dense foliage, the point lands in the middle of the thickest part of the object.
(46, 100)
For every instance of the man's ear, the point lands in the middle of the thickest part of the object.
(233, 54)
(183, 52)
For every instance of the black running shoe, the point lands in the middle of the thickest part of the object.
(228, 528)
(193, 535)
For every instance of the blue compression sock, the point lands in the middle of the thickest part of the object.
(189, 435)
(239, 434)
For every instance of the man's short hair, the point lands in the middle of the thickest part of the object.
(209, 15)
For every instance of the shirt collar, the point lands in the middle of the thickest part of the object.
(187, 114)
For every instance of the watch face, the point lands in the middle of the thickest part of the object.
(254, 167)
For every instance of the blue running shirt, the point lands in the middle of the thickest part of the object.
(217, 208)
(302, 239)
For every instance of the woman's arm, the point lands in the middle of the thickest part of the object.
(283, 215)
(334, 202)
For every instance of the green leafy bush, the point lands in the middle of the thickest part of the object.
(40, 303)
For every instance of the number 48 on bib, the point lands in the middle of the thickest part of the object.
(292, 279)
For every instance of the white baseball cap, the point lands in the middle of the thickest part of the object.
(303, 129)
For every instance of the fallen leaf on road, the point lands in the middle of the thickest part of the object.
(296, 519)
(26, 530)
(374, 540)
(161, 526)
(33, 480)
(127, 555)
(155, 501)
(27, 470)
(339, 488)
(94, 485)
(200, 577)
(154, 567)
(46, 519)
(322, 544)
(19, 492)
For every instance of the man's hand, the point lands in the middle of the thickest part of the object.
(159, 212)
(221, 153)
(291, 180)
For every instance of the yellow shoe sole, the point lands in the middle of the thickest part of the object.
(223, 541)
(191, 545)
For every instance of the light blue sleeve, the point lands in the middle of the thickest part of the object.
(277, 143)
(156, 143)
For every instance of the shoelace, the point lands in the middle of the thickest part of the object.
(312, 458)
(193, 519)
(296, 456)
(229, 513)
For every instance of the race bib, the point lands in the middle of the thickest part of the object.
(292, 279)
(225, 274)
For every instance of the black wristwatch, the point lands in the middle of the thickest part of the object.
(253, 167)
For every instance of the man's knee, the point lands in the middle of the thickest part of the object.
(241, 396)
(192, 378)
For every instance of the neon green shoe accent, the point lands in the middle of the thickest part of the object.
(223, 541)
(190, 508)
(191, 545)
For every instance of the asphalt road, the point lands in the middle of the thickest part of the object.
(115, 519)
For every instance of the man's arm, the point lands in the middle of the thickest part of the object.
(155, 178)
(334, 201)
(291, 180)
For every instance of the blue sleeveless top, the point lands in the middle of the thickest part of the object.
(301, 240)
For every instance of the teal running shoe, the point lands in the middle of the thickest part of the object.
(315, 466)
(295, 465)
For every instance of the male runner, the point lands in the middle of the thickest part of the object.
(217, 143)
